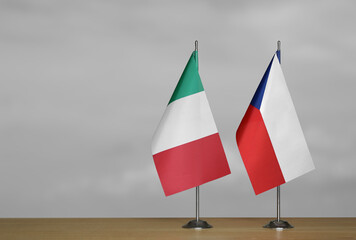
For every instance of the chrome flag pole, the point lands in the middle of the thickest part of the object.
(279, 187)
(278, 203)
(197, 204)
(278, 223)
(197, 223)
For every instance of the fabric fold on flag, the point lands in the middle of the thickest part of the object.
(186, 146)
(269, 137)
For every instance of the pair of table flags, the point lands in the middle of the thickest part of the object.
(187, 149)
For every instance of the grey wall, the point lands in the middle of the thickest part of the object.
(85, 83)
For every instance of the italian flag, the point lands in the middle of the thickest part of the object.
(186, 146)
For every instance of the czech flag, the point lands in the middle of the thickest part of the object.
(269, 137)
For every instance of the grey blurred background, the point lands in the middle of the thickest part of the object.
(85, 83)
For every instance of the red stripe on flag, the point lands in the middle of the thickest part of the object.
(257, 152)
(191, 164)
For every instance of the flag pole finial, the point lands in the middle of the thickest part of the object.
(196, 45)
(279, 50)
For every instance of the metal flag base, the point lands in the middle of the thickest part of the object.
(197, 224)
(278, 224)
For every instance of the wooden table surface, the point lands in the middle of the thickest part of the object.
(170, 228)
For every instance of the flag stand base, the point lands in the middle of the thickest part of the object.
(200, 224)
(278, 224)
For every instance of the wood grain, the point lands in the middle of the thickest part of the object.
(170, 228)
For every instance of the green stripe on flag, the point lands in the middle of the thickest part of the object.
(189, 83)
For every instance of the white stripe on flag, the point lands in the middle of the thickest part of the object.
(185, 120)
(283, 126)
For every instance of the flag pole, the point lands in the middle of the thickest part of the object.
(197, 188)
(278, 223)
(197, 204)
(279, 187)
(278, 203)
(197, 223)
